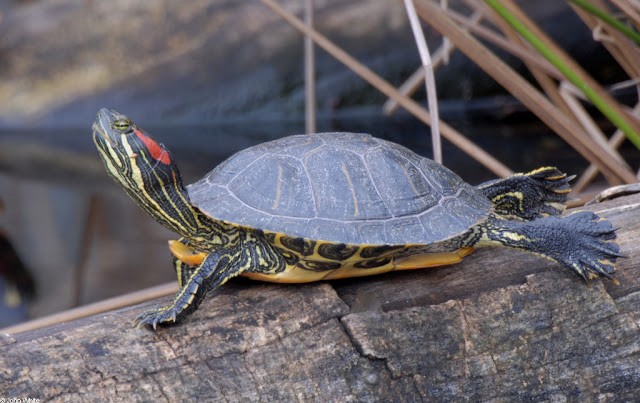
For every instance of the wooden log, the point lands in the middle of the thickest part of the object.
(501, 325)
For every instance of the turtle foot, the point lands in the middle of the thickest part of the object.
(548, 189)
(162, 316)
(592, 251)
(581, 241)
(525, 197)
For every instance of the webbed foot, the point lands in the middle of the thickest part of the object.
(581, 241)
(591, 251)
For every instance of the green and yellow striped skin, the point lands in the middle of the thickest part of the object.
(518, 197)
(523, 214)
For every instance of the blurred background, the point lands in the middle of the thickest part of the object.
(208, 78)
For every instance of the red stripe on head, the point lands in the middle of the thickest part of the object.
(158, 152)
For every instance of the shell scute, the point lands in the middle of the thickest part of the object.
(400, 183)
(342, 188)
(274, 184)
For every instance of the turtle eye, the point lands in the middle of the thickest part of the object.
(122, 125)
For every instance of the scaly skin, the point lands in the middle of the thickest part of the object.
(541, 192)
(580, 241)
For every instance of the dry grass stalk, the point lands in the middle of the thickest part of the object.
(415, 80)
(574, 67)
(541, 76)
(587, 122)
(515, 49)
(626, 54)
(309, 73)
(565, 98)
(430, 82)
(592, 171)
(620, 47)
(628, 8)
(94, 309)
(525, 92)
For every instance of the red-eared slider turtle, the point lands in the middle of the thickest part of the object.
(334, 205)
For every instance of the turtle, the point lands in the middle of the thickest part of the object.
(326, 206)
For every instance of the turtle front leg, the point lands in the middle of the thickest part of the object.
(185, 259)
(218, 267)
(250, 252)
(541, 192)
(183, 271)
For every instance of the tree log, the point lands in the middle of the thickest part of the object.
(501, 325)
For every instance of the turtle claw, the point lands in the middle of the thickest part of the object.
(163, 316)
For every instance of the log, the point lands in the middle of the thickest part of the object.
(501, 325)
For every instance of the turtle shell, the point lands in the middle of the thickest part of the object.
(343, 188)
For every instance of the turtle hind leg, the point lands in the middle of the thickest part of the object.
(581, 241)
(541, 192)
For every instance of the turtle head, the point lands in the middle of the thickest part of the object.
(120, 141)
(146, 171)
